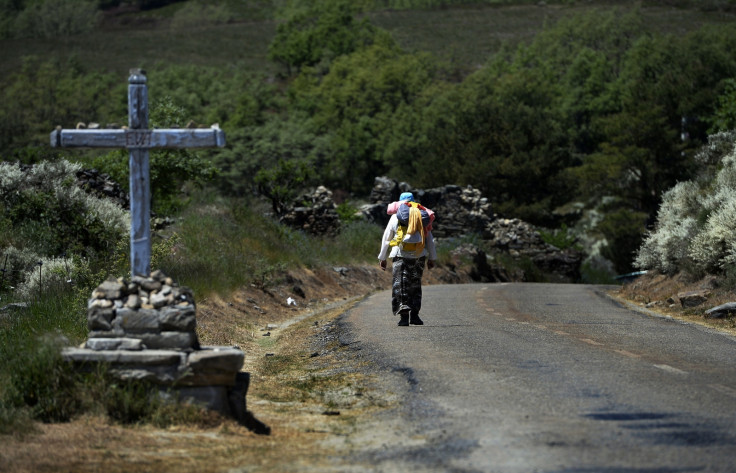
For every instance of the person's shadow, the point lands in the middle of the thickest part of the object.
(237, 404)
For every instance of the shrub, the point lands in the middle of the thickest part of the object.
(561, 238)
(695, 222)
(47, 217)
(51, 215)
(54, 275)
(715, 245)
(43, 382)
(52, 18)
(665, 248)
(17, 262)
(199, 13)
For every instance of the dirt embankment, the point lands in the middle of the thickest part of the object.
(681, 297)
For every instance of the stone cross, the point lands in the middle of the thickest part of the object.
(138, 139)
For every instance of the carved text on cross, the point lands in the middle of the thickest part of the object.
(138, 139)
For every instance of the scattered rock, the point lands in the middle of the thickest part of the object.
(693, 298)
(721, 310)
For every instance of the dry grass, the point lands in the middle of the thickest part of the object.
(303, 386)
(659, 293)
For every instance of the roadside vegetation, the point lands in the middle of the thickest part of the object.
(598, 106)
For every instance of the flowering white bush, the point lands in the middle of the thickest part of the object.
(719, 145)
(17, 262)
(49, 215)
(697, 219)
(664, 248)
(53, 274)
(11, 177)
(714, 245)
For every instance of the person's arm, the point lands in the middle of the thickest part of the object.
(388, 235)
(431, 250)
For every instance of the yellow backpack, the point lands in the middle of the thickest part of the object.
(410, 237)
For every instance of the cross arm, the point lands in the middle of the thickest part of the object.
(132, 139)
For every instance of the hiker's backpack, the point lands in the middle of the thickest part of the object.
(413, 242)
(403, 213)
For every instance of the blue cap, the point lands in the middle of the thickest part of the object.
(407, 196)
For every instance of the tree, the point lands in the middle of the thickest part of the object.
(281, 183)
(724, 117)
(353, 106)
(324, 32)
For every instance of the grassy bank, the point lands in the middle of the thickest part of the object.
(217, 246)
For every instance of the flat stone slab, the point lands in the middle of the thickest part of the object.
(139, 358)
(97, 344)
(211, 366)
(216, 359)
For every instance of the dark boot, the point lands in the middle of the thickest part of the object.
(404, 321)
(415, 320)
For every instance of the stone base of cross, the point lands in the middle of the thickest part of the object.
(138, 139)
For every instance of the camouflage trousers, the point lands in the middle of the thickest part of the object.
(406, 290)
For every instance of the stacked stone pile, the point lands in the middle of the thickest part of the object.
(144, 329)
(314, 212)
(152, 312)
(460, 210)
(386, 190)
(515, 236)
(102, 185)
(521, 239)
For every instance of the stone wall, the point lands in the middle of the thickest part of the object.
(463, 210)
(459, 211)
(521, 239)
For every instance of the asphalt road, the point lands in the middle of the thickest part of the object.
(544, 378)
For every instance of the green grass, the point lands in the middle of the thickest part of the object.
(33, 380)
(464, 36)
(468, 36)
(233, 46)
(222, 244)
